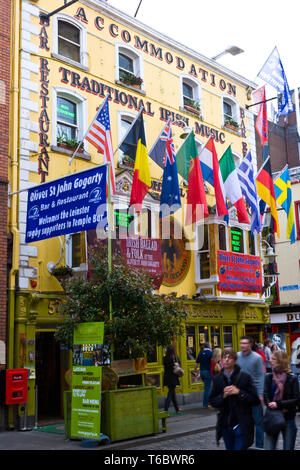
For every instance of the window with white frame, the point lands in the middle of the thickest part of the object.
(69, 40)
(237, 159)
(76, 250)
(203, 264)
(70, 115)
(190, 95)
(230, 112)
(129, 66)
(223, 237)
(252, 244)
(125, 122)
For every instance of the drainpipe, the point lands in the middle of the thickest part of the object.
(14, 173)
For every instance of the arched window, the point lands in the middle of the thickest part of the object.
(230, 112)
(69, 40)
(190, 95)
(129, 66)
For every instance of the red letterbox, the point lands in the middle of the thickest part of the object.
(16, 386)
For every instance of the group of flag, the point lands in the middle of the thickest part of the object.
(239, 185)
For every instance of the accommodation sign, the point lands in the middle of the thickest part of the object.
(239, 272)
(71, 204)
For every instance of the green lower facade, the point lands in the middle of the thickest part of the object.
(37, 316)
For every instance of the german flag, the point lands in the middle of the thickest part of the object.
(141, 176)
(266, 191)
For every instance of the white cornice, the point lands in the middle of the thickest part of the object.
(168, 42)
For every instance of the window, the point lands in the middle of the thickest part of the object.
(203, 252)
(190, 343)
(222, 237)
(227, 335)
(237, 240)
(69, 40)
(76, 250)
(130, 69)
(67, 125)
(69, 112)
(297, 218)
(125, 123)
(252, 244)
(190, 95)
(230, 113)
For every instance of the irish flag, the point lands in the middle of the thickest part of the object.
(232, 185)
(212, 174)
(141, 176)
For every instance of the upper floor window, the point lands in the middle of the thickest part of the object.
(237, 240)
(76, 249)
(203, 265)
(67, 123)
(69, 40)
(190, 95)
(129, 67)
(230, 113)
(222, 237)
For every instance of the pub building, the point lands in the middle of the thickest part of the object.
(69, 62)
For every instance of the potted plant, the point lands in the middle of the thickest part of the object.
(231, 124)
(130, 79)
(128, 161)
(69, 144)
(192, 106)
(62, 274)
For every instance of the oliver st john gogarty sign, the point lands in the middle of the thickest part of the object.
(71, 204)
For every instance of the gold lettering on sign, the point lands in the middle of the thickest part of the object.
(206, 313)
(53, 307)
(251, 314)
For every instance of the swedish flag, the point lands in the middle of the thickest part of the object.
(283, 194)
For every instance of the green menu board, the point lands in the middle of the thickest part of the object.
(86, 380)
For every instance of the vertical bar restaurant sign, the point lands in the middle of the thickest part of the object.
(239, 272)
(86, 380)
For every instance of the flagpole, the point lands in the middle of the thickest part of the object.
(71, 159)
(109, 234)
(159, 137)
(281, 172)
(133, 122)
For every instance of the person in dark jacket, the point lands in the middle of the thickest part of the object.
(171, 379)
(234, 394)
(204, 360)
(281, 392)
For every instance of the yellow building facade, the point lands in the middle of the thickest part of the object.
(63, 68)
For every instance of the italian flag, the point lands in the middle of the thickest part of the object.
(232, 185)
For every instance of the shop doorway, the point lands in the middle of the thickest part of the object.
(48, 376)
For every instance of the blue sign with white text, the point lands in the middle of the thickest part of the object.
(71, 204)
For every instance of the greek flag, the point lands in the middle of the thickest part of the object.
(248, 187)
(273, 73)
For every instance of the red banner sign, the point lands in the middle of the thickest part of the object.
(144, 253)
(239, 273)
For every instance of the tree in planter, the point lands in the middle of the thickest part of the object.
(140, 318)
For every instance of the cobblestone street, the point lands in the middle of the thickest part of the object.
(198, 441)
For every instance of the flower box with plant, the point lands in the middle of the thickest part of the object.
(127, 161)
(69, 144)
(192, 106)
(231, 124)
(130, 79)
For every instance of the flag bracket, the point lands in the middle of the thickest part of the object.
(47, 16)
(260, 102)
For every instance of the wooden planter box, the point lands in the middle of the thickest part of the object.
(129, 413)
(232, 128)
(192, 110)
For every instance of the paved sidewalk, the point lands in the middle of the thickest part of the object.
(192, 419)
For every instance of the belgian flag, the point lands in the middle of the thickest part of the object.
(266, 191)
(141, 176)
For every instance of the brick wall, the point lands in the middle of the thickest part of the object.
(5, 30)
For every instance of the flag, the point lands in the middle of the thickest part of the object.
(187, 151)
(170, 193)
(158, 151)
(273, 73)
(130, 141)
(232, 185)
(99, 135)
(265, 190)
(248, 187)
(283, 194)
(141, 175)
(261, 123)
(196, 200)
(212, 174)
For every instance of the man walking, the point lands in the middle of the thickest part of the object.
(204, 359)
(250, 362)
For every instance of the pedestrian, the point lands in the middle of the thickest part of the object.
(260, 351)
(274, 347)
(251, 362)
(216, 362)
(204, 360)
(171, 379)
(281, 392)
(267, 351)
(234, 394)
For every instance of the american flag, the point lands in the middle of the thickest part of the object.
(99, 135)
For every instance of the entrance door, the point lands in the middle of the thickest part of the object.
(48, 375)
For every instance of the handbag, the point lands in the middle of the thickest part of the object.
(177, 370)
(274, 422)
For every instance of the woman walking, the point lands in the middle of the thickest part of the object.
(171, 379)
(281, 392)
